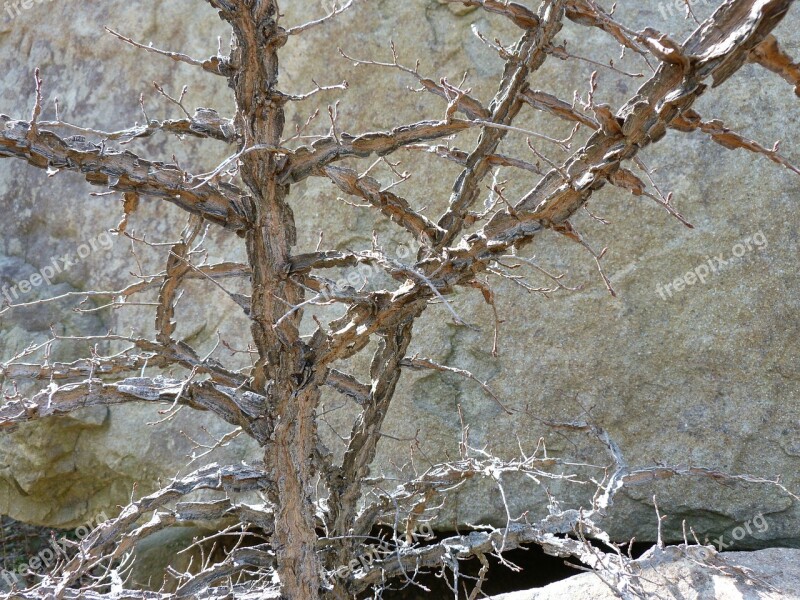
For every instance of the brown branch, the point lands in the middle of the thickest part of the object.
(242, 591)
(216, 64)
(589, 14)
(177, 267)
(448, 476)
(690, 120)
(346, 484)
(460, 157)
(155, 355)
(463, 103)
(84, 368)
(771, 56)
(643, 120)
(396, 208)
(520, 15)
(346, 384)
(554, 534)
(551, 104)
(285, 370)
(302, 263)
(627, 180)
(237, 562)
(117, 536)
(529, 54)
(306, 160)
(324, 260)
(242, 409)
(205, 123)
(223, 204)
(216, 271)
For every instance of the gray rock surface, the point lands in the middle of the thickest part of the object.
(706, 377)
(772, 574)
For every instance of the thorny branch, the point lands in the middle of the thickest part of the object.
(276, 399)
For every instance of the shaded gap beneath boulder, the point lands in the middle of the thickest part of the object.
(537, 569)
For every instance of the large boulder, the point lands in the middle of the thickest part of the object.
(770, 574)
(702, 374)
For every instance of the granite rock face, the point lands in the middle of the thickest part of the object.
(770, 574)
(702, 374)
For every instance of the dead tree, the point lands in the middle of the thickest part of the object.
(315, 516)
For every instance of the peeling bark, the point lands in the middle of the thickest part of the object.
(277, 402)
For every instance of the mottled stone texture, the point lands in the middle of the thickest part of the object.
(764, 575)
(706, 377)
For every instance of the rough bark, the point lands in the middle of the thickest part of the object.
(284, 371)
(277, 402)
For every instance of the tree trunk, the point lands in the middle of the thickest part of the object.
(281, 372)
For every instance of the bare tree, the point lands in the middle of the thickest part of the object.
(318, 517)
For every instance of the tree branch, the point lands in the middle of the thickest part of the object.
(772, 57)
(396, 208)
(223, 203)
(307, 160)
(529, 54)
(242, 409)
